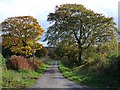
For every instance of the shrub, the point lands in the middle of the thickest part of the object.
(37, 63)
(113, 68)
(2, 61)
(6, 52)
(96, 64)
(19, 62)
(41, 53)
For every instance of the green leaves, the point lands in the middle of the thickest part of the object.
(83, 26)
(76, 20)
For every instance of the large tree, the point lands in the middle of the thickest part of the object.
(85, 26)
(20, 34)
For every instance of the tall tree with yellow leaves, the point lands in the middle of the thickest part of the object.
(20, 34)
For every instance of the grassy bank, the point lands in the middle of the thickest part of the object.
(21, 78)
(90, 80)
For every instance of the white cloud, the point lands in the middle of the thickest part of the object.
(40, 8)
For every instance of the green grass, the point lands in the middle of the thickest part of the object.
(90, 80)
(12, 78)
(21, 78)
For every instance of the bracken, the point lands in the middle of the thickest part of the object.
(19, 62)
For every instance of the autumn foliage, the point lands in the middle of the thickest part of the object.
(21, 63)
(20, 34)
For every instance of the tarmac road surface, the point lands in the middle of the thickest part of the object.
(52, 78)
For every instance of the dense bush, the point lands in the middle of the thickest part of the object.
(19, 62)
(6, 52)
(41, 53)
(98, 58)
(95, 64)
(113, 68)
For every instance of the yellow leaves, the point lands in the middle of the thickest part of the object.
(21, 31)
(38, 46)
(30, 25)
(15, 49)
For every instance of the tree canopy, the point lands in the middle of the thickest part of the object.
(20, 33)
(81, 25)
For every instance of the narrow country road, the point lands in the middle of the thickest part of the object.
(52, 78)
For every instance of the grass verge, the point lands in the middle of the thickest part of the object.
(22, 78)
(90, 80)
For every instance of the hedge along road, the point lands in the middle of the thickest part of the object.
(52, 78)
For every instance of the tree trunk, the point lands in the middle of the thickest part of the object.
(80, 57)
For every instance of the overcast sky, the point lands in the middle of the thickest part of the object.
(39, 9)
